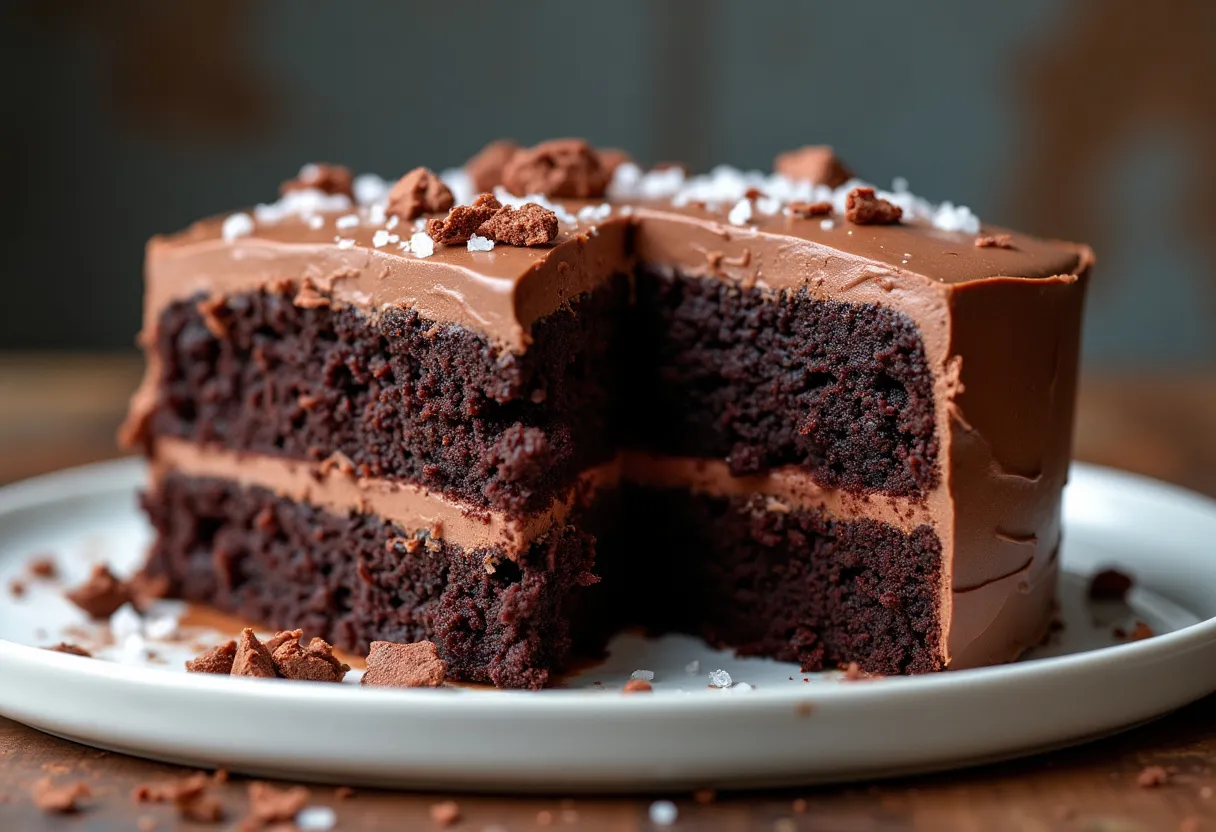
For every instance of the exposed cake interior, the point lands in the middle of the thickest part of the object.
(517, 453)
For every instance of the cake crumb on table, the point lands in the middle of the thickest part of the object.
(445, 813)
(61, 799)
(102, 594)
(1152, 776)
(1109, 585)
(268, 804)
(70, 649)
(637, 686)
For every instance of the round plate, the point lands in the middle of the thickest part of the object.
(788, 728)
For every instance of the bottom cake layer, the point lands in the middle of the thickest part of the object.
(742, 572)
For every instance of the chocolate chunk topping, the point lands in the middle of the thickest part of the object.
(61, 799)
(70, 649)
(218, 659)
(418, 192)
(332, 179)
(252, 658)
(414, 665)
(558, 168)
(1109, 585)
(270, 805)
(101, 594)
(814, 163)
(805, 210)
(862, 207)
(485, 169)
(314, 663)
(528, 225)
(463, 221)
(994, 241)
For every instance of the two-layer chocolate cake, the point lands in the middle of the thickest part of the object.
(549, 396)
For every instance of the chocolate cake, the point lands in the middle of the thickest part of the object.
(786, 412)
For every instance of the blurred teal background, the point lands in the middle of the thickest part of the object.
(1093, 120)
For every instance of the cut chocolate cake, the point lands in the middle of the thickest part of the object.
(788, 413)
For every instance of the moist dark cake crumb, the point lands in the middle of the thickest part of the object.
(1109, 585)
(418, 192)
(218, 660)
(102, 594)
(863, 207)
(994, 241)
(252, 658)
(445, 813)
(528, 225)
(414, 665)
(62, 798)
(558, 168)
(485, 168)
(70, 649)
(814, 163)
(332, 179)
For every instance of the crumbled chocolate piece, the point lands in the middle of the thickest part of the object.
(418, 192)
(218, 660)
(813, 163)
(70, 649)
(59, 799)
(612, 158)
(16, 588)
(862, 207)
(314, 663)
(994, 241)
(854, 673)
(463, 221)
(558, 168)
(201, 808)
(414, 665)
(332, 179)
(1152, 776)
(1109, 585)
(270, 805)
(43, 566)
(1140, 632)
(485, 169)
(528, 225)
(806, 210)
(252, 658)
(445, 813)
(637, 686)
(282, 637)
(102, 594)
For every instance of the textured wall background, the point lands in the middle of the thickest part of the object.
(1093, 119)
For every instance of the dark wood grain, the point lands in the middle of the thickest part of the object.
(58, 411)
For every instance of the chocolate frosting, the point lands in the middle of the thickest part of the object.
(993, 320)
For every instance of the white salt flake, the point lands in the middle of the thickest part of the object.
(480, 243)
(741, 213)
(161, 626)
(827, 225)
(719, 678)
(347, 221)
(376, 213)
(741, 687)
(125, 622)
(663, 813)
(318, 818)
(302, 203)
(644, 675)
(369, 188)
(421, 244)
(316, 221)
(899, 185)
(391, 222)
(692, 668)
(383, 238)
(344, 242)
(594, 213)
(132, 650)
(236, 225)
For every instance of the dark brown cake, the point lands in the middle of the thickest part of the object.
(827, 436)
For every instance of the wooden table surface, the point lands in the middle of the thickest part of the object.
(61, 410)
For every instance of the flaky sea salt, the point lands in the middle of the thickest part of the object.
(302, 203)
(236, 225)
(719, 678)
(160, 626)
(132, 650)
(594, 213)
(124, 622)
(316, 818)
(899, 185)
(692, 668)
(315, 221)
(644, 675)
(421, 244)
(663, 813)
(741, 213)
(741, 687)
(391, 222)
(383, 238)
(344, 242)
(480, 243)
(347, 221)
(376, 213)
(827, 225)
(369, 188)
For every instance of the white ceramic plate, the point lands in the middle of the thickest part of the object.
(589, 737)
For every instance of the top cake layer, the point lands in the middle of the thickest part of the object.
(738, 226)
